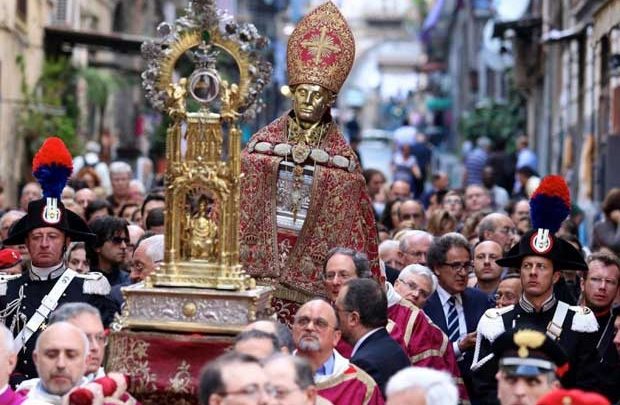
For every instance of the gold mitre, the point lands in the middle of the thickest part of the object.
(321, 49)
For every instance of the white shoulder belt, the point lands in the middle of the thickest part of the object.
(48, 304)
(554, 329)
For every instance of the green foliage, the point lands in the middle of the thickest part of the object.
(50, 107)
(496, 120)
(100, 84)
(158, 138)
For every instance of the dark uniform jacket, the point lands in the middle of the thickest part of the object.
(577, 337)
(610, 361)
(20, 297)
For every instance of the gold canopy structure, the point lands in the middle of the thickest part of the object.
(201, 286)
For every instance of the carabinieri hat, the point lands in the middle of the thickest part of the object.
(529, 353)
(52, 165)
(549, 206)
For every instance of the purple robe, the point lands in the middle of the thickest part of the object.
(9, 397)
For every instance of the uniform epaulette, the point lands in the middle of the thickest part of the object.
(95, 283)
(4, 280)
(583, 319)
(491, 324)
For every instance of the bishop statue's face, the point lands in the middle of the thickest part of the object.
(310, 102)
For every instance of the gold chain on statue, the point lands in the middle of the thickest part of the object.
(303, 141)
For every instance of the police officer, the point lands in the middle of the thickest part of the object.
(540, 255)
(530, 365)
(26, 300)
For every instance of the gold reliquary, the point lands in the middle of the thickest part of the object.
(205, 73)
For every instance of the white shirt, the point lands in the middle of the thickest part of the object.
(361, 340)
(444, 297)
(3, 390)
(45, 273)
(38, 395)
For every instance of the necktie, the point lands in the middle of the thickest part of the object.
(453, 320)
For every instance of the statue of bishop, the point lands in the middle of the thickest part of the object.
(303, 192)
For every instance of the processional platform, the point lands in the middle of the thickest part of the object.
(188, 311)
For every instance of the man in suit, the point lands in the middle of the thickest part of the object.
(454, 307)
(361, 307)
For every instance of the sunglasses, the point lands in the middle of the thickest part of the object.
(117, 240)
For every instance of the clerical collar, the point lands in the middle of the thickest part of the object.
(40, 393)
(46, 273)
(6, 387)
(529, 307)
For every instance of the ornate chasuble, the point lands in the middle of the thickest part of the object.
(423, 341)
(296, 204)
(349, 385)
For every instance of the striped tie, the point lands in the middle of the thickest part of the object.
(453, 321)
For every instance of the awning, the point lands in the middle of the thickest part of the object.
(438, 103)
(522, 27)
(57, 37)
(606, 18)
(568, 34)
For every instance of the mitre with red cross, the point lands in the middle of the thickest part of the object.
(321, 49)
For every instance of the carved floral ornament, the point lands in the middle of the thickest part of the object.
(184, 175)
(205, 25)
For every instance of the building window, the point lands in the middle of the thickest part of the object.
(22, 9)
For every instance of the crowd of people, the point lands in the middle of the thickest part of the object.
(467, 281)
(482, 294)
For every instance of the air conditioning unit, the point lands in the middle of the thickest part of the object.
(65, 13)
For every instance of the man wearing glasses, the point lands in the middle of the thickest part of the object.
(234, 378)
(414, 247)
(454, 307)
(509, 290)
(316, 333)
(292, 380)
(416, 283)
(498, 228)
(600, 288)
(111, 249)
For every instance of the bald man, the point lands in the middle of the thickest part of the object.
(60, 358)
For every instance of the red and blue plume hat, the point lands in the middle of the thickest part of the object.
(549, 207)
(52, 165)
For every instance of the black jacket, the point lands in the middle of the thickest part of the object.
(381, 357)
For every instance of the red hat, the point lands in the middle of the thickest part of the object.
(9, 258)
(572, 397)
